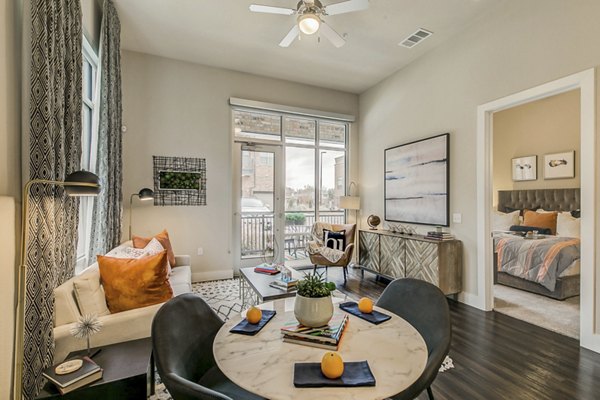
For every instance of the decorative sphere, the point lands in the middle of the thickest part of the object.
(373, 221)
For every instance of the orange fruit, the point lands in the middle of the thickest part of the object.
(254, 315)
(332, 365)
(365, 305)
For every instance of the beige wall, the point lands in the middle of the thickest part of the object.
(174, 108)
(92, 18)
(546, 126)
(515, 46)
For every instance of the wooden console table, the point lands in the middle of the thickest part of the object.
(396, 255)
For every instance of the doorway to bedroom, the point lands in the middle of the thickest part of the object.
(536, 212)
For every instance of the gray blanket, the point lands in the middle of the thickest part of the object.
(537, 260)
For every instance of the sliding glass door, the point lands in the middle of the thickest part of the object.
(290, 172)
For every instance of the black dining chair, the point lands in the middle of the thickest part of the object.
(425, 307)
(183, 332)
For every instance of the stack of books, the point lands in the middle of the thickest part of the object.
(326, 337)
(89, 372)
(283, 283)
(443, 236)
(264, 268)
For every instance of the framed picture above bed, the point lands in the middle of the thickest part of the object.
(417, 179)
(559, 165)
(524, 168)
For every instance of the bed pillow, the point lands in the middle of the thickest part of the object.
(503, 221)
(542, 220)
(163, 237)
(131, 283)
(567, 225)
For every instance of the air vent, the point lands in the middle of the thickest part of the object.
(416, 38)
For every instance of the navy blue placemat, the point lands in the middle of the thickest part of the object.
(375, 317)
(246, 328)
(355, 374)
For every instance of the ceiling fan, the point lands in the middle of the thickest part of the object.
(309, 21)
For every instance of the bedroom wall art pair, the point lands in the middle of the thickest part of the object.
(556, 166)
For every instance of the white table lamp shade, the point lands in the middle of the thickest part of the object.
(350, 202)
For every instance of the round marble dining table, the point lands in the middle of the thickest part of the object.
(263, 364)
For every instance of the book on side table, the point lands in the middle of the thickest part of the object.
(67, 382)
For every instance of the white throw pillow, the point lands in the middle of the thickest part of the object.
(503, 221)
(89, 294)
(152, 248)
(567, 225)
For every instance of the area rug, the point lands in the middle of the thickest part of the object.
(555, 315)
(223, 296)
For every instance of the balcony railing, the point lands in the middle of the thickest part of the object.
(257, 230)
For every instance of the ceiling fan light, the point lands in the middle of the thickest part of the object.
(309, 23)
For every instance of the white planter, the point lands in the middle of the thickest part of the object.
(313, 312)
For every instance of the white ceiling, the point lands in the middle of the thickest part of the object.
(224, 33)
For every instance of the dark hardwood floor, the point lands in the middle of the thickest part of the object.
(499, 357)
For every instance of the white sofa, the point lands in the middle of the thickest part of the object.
(118, 327)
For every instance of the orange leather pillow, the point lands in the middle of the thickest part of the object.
(163, 237)
(131, 283)
(541, 220)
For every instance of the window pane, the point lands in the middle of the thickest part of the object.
(332, 134)
(257, 125)
(86, 138)
(299, 179)
(88, 79)
(333, 181)
(299, 130)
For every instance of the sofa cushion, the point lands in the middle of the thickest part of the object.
(134, 283)
(65, 306)
(163, 237)
(89, 293)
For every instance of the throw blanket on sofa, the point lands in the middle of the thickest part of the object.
(317, 245)
(537, 260)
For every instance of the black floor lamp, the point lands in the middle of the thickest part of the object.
(79, 183)
(145, 194)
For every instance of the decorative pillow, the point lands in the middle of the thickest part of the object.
(334, 240)
(163, 237)
(521, 211)
(576, 213)
(151, 249)
(503, 221)
(542, 220)
(131, 283)
(89, 294)
(567, 226)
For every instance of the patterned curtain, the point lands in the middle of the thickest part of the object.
(54, 152)
(106, 217)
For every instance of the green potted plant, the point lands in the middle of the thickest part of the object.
(314, 306)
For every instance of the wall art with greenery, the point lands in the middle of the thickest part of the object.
(179, 181)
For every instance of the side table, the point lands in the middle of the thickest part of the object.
(128, 373)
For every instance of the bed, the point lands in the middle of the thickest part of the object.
(562, 200)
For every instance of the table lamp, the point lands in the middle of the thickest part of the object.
(144, 194)
(79, 183)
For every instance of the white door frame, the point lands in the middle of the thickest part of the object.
(278, 212)
(590, 307)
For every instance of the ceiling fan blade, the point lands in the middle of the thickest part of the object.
(271, 10)
(332, 35)
(346, 7)
(290, 37)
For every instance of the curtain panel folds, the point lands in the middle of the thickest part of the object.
(106, 216)
(54, 152)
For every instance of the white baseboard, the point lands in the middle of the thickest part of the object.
(472, 300)
(212, 275)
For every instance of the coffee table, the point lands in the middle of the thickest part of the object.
(128, 373)
(259, 285)
(264, 364)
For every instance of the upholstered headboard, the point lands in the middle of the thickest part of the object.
(548, 199)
